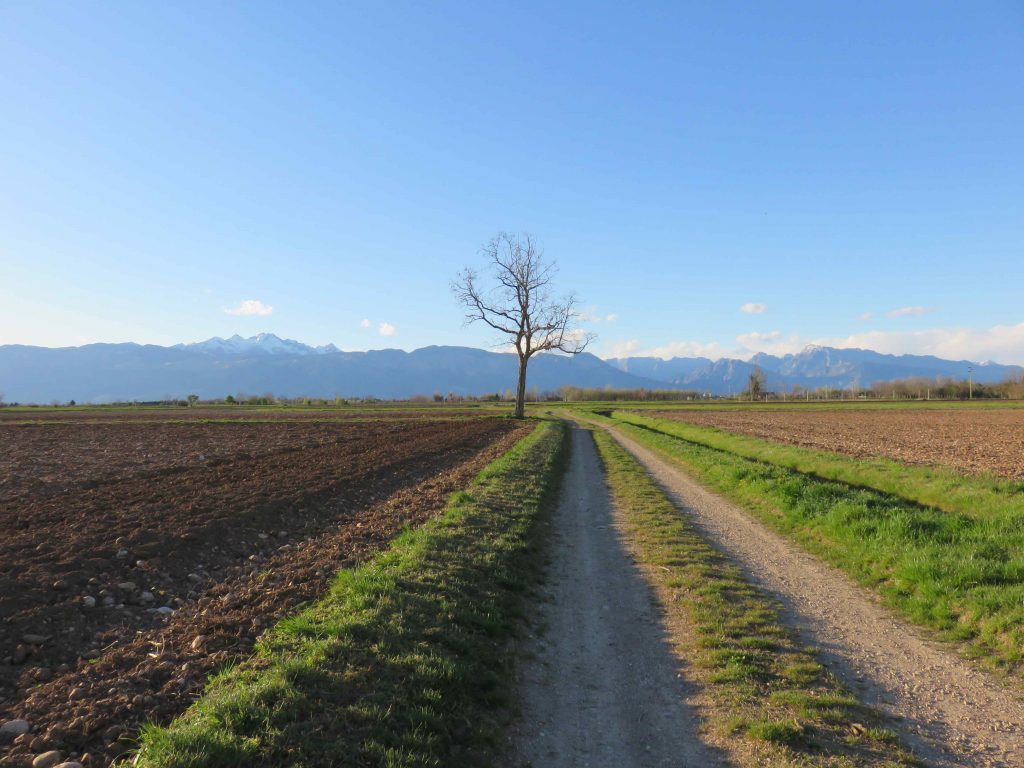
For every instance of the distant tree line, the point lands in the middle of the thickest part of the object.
(913, 388)
(916, 388)
(607, 394)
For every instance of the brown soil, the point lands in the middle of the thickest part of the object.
(241, 413)
(225, 544)
(969, 440)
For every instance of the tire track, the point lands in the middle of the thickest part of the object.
(601, 687)
(948, 712)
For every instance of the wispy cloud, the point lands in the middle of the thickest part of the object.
(250, 307)
(633, 348)
(753, 309)
(387, 329)
(626, 348)
(1001, 343)
(770, 342)
(758, 337)
(689, 349)
(865, 316)
(593, 316)
(364, 323)
(908, 312)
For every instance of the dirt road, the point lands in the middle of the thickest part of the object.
(950, 713)
(601, 686)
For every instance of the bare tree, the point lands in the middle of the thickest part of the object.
(755, 383)
(520, 304)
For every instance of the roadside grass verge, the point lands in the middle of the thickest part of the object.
(961, 575)
(767, 700)
(405, 661)
(939, 487)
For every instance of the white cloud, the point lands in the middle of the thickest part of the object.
(1001, 343)
(865, 316)
(755, 338)
(908, 312)
(250, 307)
(753, 309)
(364, 323)
(387, 329)
(771, 342)
(592, 316)
(624, 348)
(688, 349)
(576, 335)
(633, 348)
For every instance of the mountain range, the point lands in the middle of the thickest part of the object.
(266, 363)
(810, 368)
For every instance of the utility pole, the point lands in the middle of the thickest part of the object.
(970, 382)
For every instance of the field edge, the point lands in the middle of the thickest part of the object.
(766, 699)
(404, 662)
(899, 549)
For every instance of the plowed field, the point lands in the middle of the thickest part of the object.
(969, 440)
(138, 556)
(237, 413)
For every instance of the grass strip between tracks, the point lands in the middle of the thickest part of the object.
(767, 699)
(404, 662)
(959, 574)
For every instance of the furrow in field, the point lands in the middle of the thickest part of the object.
(228, 549)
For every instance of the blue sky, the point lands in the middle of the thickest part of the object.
(852, 171)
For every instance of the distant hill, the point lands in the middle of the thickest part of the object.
(101, 373)
(266, 363)
(812, 367)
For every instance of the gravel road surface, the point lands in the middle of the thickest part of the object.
(949, 712)
(600, 685)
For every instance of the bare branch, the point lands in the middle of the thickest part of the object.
(520, 303)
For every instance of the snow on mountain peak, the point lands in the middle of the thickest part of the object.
(261, 343)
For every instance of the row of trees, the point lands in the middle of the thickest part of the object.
(606, 394)
(915, 388)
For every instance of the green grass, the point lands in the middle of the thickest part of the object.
(937, 487)
(767, 700)
(722, 404)
(960, 573)
(404, 662)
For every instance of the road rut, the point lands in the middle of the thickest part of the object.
(948, 712)
(600, 686)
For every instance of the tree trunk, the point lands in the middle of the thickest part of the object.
(521, 389)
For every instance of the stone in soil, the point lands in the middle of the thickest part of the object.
(47, 759)
(15, 728)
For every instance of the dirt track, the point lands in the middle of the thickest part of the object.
(947, 711)
(601, 687)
